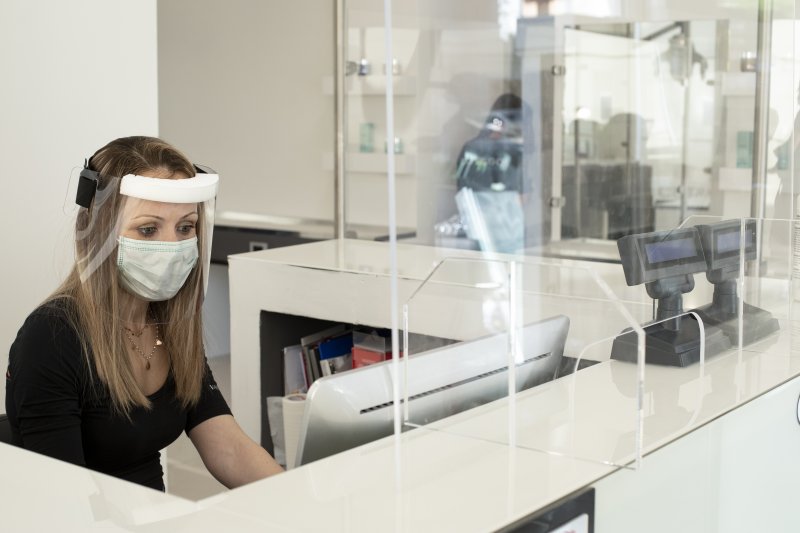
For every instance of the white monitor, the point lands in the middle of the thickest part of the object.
(346, 410)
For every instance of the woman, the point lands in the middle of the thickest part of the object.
(110, 369)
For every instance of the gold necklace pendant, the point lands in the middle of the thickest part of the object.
(136, 347)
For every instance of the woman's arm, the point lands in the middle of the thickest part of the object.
(232, 457)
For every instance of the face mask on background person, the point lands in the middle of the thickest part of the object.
(155, 270)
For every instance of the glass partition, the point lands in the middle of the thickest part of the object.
(549, 358)
(555, 128)
(749, 286)
(584, 160)
(524, 330)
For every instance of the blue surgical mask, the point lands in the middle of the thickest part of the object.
(155, 270)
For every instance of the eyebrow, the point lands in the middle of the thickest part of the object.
(187, 215)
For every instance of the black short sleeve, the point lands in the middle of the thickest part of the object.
(211, 403)
(44, 386)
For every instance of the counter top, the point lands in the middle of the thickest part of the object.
(440, 478)
(460, 475)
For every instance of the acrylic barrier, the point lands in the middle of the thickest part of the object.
(750, 279)
(549, 358)
(532, 326)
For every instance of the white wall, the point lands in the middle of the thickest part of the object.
(241, 90)
(75, 75)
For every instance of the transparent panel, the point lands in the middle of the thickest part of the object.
(555, 128)
(634, 94)
(702, 320)
(781, 176)
(527, 332)
(602, 138)
(749, 287)
(606, 139)
(367, 140)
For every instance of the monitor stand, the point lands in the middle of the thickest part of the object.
(673, 339)
(723, 312)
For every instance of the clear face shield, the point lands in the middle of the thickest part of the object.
(146, 239)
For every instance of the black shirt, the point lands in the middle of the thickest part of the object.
(488, 164)
(57, 407)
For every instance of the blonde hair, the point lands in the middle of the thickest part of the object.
(96, 300)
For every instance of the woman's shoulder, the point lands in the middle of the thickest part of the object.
(47, 354)
(48, 329)
(55, 313)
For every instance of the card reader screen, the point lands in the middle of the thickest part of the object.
(672, 250)
(728, 241)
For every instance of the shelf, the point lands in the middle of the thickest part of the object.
(372, 163)
(372, 85)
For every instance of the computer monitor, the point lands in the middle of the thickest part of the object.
(346, 410)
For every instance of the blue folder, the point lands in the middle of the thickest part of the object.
(336, 347)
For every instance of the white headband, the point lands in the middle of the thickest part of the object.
(200, 188)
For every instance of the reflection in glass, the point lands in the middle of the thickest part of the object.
(556, 135)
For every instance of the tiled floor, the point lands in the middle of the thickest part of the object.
(186, 474)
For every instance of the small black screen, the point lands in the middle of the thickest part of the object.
(673, 250)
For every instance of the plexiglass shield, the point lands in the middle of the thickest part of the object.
(144, 238)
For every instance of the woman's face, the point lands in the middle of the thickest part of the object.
(159, 221)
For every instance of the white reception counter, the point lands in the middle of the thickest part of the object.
(721, 439)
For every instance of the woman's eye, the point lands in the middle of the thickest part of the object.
(186, 229)
(147, 231)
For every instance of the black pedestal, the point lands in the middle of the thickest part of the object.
(756, 323)
(674, 342)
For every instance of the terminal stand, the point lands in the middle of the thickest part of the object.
(665, 262)
(727, 244)
(673, 339)
(723, 312)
